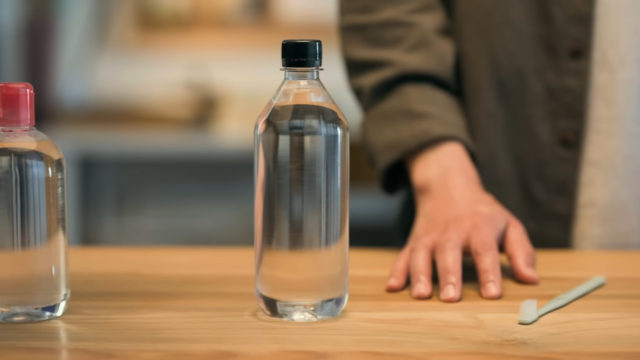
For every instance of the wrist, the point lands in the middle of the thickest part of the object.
(446, 166)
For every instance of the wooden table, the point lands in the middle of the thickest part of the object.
(197, 303)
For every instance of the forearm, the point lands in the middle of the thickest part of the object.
(408, 92)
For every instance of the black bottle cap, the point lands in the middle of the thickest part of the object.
(301, 53)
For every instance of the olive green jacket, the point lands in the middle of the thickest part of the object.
(508, 78)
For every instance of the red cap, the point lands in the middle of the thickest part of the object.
(16, 105)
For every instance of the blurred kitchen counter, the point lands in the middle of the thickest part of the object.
(198, 303)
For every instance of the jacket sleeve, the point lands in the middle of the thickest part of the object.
(401, 62)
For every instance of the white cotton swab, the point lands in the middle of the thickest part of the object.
(528, 308)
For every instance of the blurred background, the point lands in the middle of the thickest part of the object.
(153, 103)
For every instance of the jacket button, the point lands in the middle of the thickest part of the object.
(568, 139)
(576, 52)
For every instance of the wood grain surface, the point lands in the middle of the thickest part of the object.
(197, 303)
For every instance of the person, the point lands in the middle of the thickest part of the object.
(479, 108)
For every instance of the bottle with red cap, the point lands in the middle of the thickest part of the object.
(34, 282)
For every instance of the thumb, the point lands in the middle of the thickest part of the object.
(520, 252)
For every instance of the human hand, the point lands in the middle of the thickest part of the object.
(454, 215)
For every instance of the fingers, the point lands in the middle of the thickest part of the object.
(484, 249)
(420, 268)
(398, 277)
(520, 252)
(449, 263)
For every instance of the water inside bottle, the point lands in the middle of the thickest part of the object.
(33, 274)
(302, 212)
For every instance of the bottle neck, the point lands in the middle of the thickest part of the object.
(301, 73)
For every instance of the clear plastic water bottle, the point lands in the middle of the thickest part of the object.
(33, 241)
(302, 194)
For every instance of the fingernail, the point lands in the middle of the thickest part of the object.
(490, 290)
(532, 271)
(392, 283)
(419, 290)
(448, 293)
